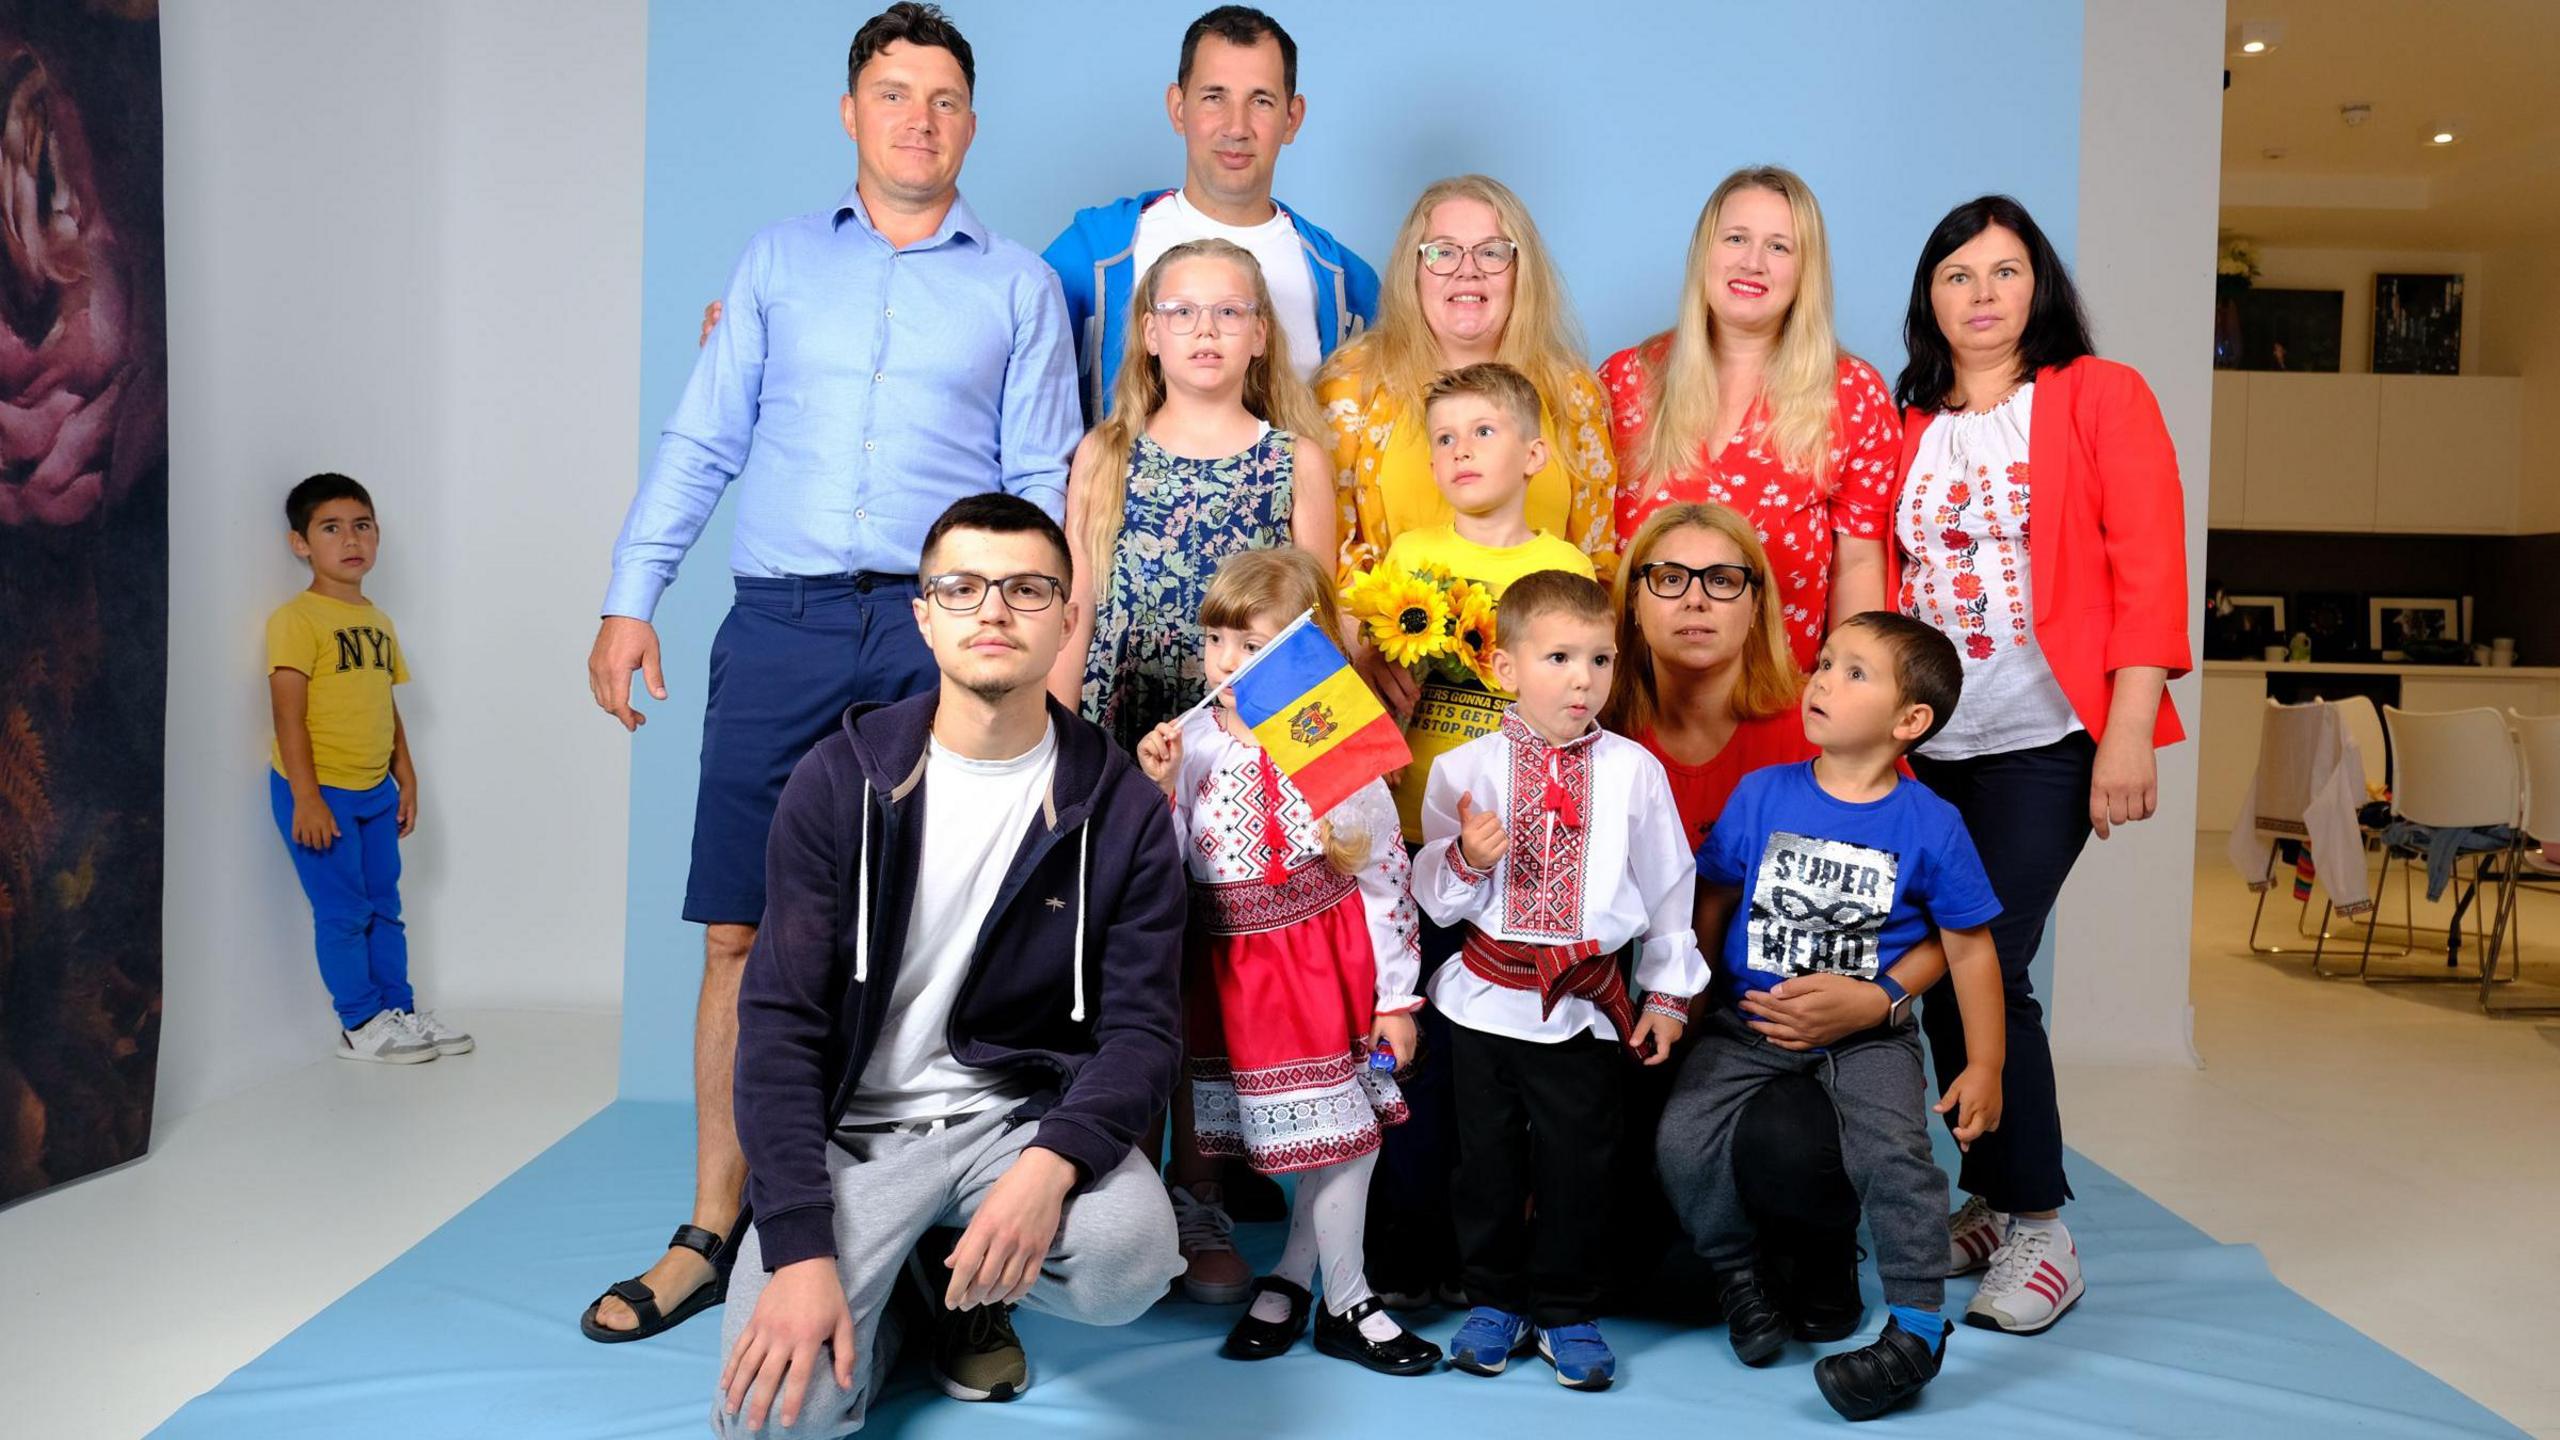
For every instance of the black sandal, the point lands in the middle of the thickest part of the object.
(1253, 1339)
(723, 1255)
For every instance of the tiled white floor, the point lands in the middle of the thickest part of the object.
(2395, 1154)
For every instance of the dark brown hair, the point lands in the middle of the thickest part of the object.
(1243, 26)
(1925, 668)
(917, 25)
(997, 514)
(319, 490)
(2057, 330)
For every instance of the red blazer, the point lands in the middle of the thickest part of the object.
(2110, 538)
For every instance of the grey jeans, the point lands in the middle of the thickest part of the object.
(1876, 1086)
(1113, 1257)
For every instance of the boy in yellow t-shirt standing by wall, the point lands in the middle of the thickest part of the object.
(342, 786)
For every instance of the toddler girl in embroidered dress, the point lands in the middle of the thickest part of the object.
(1309, 931)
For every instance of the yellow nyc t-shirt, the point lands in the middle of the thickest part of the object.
(353, 658)
(1449, 715)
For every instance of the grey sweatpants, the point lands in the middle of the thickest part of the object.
(1114, 1255)
(1876, 1086)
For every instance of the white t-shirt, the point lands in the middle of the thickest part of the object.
(1965, 524)
(1276, 248)
(975, 813)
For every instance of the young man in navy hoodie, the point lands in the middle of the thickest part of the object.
(960, 1011)
(1235, 102)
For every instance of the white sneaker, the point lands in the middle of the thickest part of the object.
(386, 1039)
(425, 1025)
(1973, 1234)
(2033, 1279)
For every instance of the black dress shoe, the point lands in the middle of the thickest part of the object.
(1811, 1277)
(1752, 1323)
(1263, 1339)
(1340, 1337)
(1865, 1383)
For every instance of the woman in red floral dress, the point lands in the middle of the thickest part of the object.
(1748, 401)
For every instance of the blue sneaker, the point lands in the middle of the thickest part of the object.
(1581, 1357)
(1486, 1343)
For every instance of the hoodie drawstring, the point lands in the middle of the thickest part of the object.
(1084, 849)
(862, 892)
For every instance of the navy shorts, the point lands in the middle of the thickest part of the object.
(790, 657)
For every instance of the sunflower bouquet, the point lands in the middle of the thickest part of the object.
(1427, 617)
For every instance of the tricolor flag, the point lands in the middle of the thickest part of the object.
(1319, 723)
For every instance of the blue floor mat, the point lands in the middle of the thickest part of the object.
(474, 1333)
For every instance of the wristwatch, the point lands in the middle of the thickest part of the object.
(1898, 1000)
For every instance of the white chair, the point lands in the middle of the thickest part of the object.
(2308, 786)
(2537, 739)
(2454, 769)
(2364, 726)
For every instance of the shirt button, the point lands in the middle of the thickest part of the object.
(867, 445)
(860, 514)
(879, 375)
(889, 310)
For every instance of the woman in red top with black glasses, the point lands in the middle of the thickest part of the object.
(1749, 401)
(2040, 526)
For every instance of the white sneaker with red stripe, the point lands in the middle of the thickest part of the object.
(2033, 1279)
(1973, 1233)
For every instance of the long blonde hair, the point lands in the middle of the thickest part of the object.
(1801, 385)
(1540, 339)
(1768, 684)
(1275, 585)
(1272, 392)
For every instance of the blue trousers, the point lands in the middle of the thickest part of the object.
(354, 887)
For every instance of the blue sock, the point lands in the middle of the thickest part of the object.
(1928, 1324)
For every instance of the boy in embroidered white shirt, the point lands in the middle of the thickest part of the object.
(1557, 847)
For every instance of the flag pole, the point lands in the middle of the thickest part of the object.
(1305, 617)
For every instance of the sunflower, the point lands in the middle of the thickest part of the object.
(1410, 620)
(1473, 627)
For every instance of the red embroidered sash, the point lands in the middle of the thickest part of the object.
(1555, 971)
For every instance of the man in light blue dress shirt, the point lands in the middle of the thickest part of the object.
(879, 359)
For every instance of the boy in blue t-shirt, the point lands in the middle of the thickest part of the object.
(1841, 865)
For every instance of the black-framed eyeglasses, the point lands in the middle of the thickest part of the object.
(962, 593)
(1227, 317)
(1669, 579)
(1441, 257)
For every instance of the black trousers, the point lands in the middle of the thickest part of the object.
(1536, 1120)
(2028, 811)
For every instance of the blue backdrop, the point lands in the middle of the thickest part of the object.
(1611, 119)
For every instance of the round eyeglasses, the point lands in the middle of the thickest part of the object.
(1669, 579)
(1227, 317)
(963, 593)
(1441, 257)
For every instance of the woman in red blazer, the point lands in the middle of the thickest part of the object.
(2039, 526)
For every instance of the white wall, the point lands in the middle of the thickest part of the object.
(403, 242)
(2150, 146)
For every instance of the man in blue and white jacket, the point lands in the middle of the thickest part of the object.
(1235, 102)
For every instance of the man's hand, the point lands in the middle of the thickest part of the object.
(1975, 1097)
(1660, 1032)
(1399, 1034)
(802, 1308)
(999, 1255)
(314, 828)
(1805, 1012)
(622, 646)
(1481, 837)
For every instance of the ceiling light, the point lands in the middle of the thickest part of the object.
(2255, 37)
(2442, 137)
(2445, 134)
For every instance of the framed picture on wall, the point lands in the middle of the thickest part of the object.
(2335, 622)
(2291, 329)
(2397, 623)
(2417, 324)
